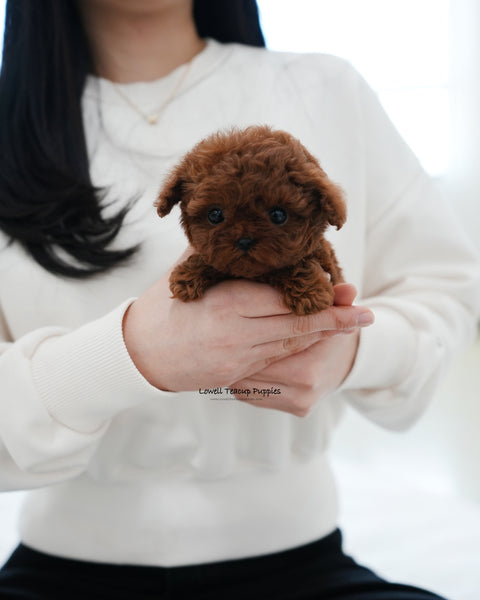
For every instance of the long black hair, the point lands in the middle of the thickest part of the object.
(47, 201)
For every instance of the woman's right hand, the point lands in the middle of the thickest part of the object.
(238, 328)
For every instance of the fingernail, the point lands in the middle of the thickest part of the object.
(364, 319)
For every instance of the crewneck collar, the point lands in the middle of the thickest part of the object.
(149, 94)
(110, 120)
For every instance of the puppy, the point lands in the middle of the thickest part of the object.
(255, 204)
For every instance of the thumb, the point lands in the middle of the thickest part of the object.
(345, 294)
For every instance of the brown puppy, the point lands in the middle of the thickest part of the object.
(255, 205)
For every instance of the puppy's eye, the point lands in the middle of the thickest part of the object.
(278, 216)
(215, 216)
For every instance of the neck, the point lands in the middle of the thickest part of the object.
(131, 44)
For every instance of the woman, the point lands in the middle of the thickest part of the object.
(143, 486)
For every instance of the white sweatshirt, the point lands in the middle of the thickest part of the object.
(122, 472)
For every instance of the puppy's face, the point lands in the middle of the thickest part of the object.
(247, 228)
(252, 201)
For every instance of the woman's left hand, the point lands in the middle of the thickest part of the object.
(296, 383)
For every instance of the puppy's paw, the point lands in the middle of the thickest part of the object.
(187, 281)
(185, 285)
(190, 279)
(307, 303)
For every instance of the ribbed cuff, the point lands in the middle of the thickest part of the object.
(86, 377)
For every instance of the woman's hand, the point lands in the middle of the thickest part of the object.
(236, 330)
(296, 383)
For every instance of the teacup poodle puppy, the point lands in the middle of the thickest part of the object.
(255, 204)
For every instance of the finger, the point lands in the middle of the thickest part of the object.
(308, 367)
(265, 355)
(282, 327)
(345, 294)
(261, 393)
(275, 397)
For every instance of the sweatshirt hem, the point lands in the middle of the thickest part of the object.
(184, 522)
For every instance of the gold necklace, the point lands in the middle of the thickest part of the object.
(152, 118)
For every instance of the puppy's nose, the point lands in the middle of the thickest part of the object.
(244, 243)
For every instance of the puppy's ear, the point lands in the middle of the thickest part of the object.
(331, 199)
(168, 197)
(329, 195)
(172, 192)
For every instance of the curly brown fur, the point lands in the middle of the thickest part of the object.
(234, 190)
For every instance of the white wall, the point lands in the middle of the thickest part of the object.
(423, 56)
(462, 181)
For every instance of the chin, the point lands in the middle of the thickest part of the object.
(250, 271)
(244, 267)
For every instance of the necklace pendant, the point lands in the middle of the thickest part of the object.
(152, 119)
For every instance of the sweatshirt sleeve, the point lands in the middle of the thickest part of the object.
(421, 279)
(59, 390)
